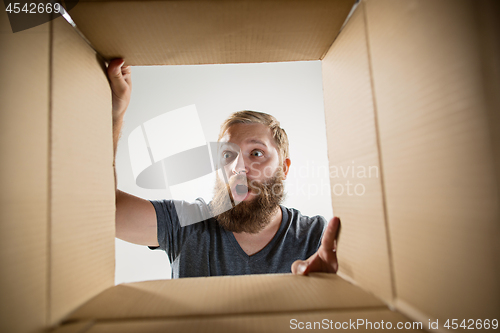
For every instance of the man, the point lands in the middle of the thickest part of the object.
(257, 234)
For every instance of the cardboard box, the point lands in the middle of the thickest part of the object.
(410, 87)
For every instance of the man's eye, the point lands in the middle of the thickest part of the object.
(257, 153)
(226, 155)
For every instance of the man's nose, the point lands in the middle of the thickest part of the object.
(239, 165)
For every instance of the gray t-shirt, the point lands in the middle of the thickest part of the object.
(206, 249)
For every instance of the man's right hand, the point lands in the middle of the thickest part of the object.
(325, 259)
(121, 84)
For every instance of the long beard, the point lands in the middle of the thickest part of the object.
(248, 216)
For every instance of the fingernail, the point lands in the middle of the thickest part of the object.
(302, 268)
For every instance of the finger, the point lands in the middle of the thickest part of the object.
(325, 259)
(322, 261)
(114, 69)
(299, 267)
(127, 74)
(330, 234)
(126, 70)
(328, 261)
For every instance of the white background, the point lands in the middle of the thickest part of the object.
(292, 92)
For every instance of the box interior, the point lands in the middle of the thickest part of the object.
(410, 87)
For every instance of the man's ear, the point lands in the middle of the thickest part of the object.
(286, 166)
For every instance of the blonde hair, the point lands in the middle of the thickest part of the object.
(254, 117)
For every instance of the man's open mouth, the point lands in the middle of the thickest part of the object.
(241, 189)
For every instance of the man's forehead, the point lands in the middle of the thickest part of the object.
(249, 134)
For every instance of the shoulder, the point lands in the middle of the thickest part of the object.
(305, 225)
(183, 212)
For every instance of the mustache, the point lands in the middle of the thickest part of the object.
(237, 180)
(252, 185)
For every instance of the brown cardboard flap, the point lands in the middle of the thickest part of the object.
(80, 327)
(439, 171)
(229, 295)
(368, 320)
(82, 189)
(24, 153)
(210, 32)
(355, 171)
(489, 37)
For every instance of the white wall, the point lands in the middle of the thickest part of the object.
(292, 92)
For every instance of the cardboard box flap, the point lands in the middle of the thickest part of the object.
(226, 295)
(364, 320)
(82, 199)
(209, 32)
(437, 156)
(24, 185)
(79, 327)
(353, 153)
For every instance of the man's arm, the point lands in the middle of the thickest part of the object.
(135, 217)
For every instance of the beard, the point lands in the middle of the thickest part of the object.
(247, 216)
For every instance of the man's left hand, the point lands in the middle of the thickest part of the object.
(325, 259)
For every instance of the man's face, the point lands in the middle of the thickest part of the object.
(253, 176)
(249, 156)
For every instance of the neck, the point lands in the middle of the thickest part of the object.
(275, 222)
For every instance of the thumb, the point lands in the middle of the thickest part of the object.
(300, 267)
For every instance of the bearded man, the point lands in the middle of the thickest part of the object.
(244, 229)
